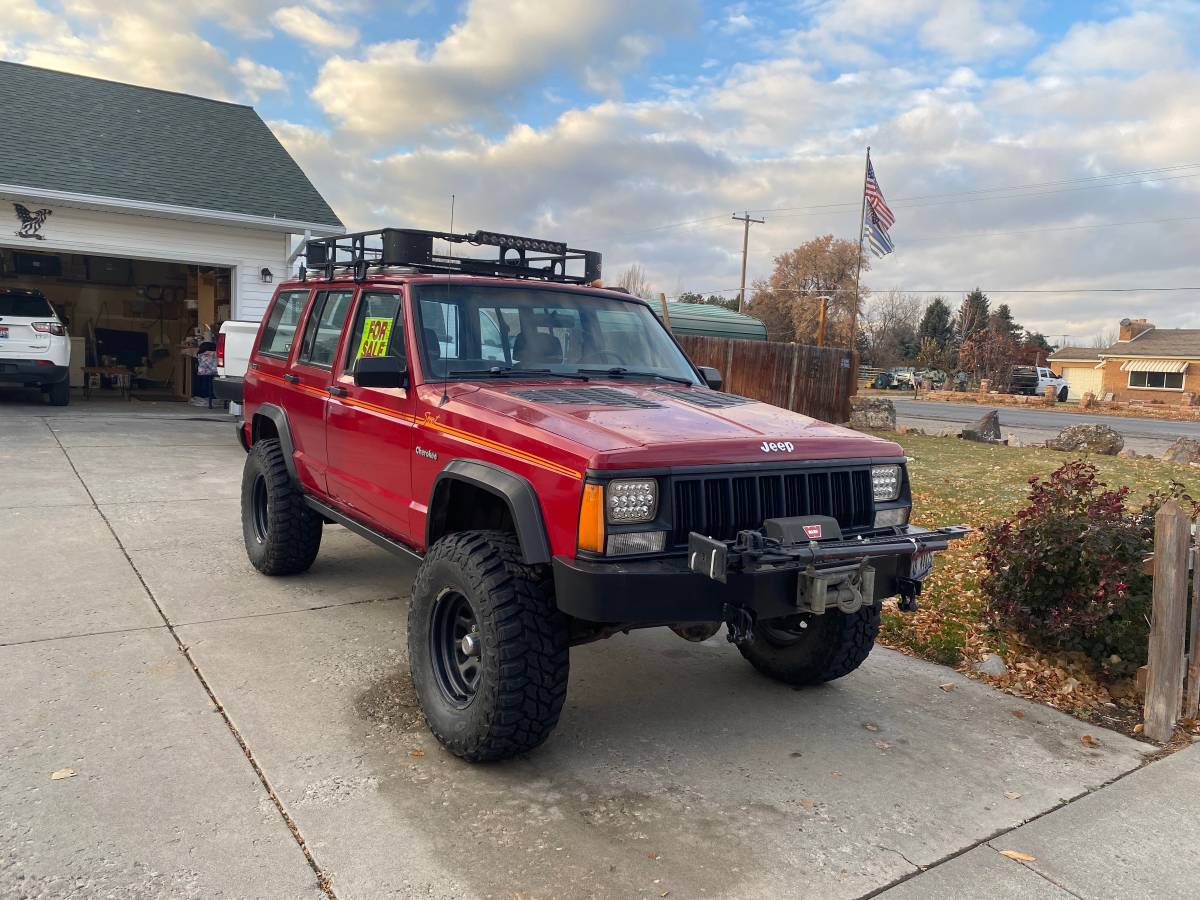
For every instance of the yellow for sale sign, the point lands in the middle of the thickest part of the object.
(377, 333)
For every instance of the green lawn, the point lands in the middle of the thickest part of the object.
(961, 482)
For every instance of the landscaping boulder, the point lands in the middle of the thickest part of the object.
(872, 414)
(1088, 438)
(991, 665)
(1184, 450)
(987, 429)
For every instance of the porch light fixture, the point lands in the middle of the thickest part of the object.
(266, 276)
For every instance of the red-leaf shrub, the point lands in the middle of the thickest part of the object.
(1067, 572)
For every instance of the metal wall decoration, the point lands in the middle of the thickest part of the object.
(31, 222)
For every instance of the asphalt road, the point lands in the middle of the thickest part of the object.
(1143, 435)
(176, 725)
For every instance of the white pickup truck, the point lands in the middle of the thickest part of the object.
(234, 343)
(1034, 380)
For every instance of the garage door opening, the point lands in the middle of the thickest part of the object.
(136, 325)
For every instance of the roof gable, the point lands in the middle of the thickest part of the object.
(1161, 342)
(1076, 353)
(101, 138)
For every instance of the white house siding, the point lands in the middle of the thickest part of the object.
(247, 251)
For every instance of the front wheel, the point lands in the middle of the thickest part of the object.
(487, 647)
(812, 649)
(281, 533)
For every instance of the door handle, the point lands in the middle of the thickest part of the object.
(338, 391)
(291, 379)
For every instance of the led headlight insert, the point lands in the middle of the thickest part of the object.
(631, 500)
(885, 482)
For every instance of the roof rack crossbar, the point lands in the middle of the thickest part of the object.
(517, 256)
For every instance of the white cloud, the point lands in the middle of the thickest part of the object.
(257, 78)
(969, 29)
(1133, 43)
(305, 25)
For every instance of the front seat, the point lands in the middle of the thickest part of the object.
(538, 347)
(433, 347)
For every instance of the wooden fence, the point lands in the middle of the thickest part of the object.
(816, 381)
(1174, 564)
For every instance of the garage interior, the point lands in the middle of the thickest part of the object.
(135, 325)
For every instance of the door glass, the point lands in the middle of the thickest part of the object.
(441, 332)
(280, 329)
(378, 329)
(324, 328)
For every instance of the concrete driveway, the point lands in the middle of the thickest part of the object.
(230, 735)
(1151, 436)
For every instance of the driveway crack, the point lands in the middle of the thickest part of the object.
(324, 880)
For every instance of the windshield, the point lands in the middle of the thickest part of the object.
(469, 328)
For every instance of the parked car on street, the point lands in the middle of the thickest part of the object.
(1033, 380)
(564, 474)
(35, 349)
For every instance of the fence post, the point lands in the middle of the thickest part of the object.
(1191, 704)
(1164, 690)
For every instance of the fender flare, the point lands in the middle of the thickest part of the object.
(517, 493)
(279, 418)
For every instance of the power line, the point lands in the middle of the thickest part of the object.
(953, 235)
(951, 291)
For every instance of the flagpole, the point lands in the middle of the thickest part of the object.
(862, 224)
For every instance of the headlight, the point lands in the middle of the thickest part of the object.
(885, 482)
(631, 501)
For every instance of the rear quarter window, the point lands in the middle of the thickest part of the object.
(24, 306)
(279, 331)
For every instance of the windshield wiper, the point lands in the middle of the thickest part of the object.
(506, 371)
(621, 372)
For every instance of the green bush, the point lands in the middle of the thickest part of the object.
(1067, 572)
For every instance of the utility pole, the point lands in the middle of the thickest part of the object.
(745, 220)
(824, 308)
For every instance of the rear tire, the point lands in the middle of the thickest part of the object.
(811, 649)
(60, 393)
(487, 647)
(282, 534)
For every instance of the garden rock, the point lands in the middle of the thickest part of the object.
(991, 665)
(1090, 438)
(987, 429)
(1184, 450)
(872, 414)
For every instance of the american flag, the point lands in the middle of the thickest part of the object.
(875, 199)
(877, 236)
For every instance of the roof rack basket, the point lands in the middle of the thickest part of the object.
(517, 257)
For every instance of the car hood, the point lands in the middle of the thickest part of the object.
(632, 424)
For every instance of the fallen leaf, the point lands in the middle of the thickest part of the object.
(1089, 741)
(948, 686)
(60, 774)
(652, 856)
(1018, 855)
(1018, 713)
(870, 726)
(835, 773)
(882, 745)
(1139, 728)
(807, 804)
(416, 754)
(1012, 795)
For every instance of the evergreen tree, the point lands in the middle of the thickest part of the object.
(973, 315)
(1001, 322)
(935, 324)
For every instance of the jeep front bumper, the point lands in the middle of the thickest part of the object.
(767, 579)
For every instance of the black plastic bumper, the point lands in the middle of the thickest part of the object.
(666, 591)
(228, 388)
(31, 371)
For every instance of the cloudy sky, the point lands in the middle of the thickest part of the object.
(1024, 146)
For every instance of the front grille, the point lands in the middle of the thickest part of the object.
(719, 506)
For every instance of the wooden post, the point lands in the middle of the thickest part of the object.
(1164, 692)
(1191, 703)
(662, 298)
(824, 301)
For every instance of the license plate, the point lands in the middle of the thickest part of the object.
(921, 565)
(3, 332)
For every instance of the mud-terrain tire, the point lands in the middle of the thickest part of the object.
(282, 534)
(59, 393)
(832, 645)
(506, 698)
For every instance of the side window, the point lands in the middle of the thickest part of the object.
(442, 335)
(378, 329)
(280, 330)
(324, 328)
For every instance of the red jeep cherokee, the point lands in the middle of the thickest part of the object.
(563, 472)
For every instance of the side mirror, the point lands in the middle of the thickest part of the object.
(712, 377)
(380, 372)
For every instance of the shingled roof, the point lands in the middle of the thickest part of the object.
(1160, 342)
(99, 138)
(1076, 353)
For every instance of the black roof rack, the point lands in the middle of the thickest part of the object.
(517, 257)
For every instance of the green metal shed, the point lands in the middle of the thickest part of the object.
(710, 320)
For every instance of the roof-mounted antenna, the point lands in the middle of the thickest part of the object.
(445, 364)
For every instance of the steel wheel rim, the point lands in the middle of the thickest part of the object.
(457, 674)
(258, 509)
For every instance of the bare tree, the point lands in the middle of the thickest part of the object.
(1104, 339)
(634, 280)
(889, 329)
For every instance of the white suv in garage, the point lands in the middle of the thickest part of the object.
(35, 350)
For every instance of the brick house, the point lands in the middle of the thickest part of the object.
(1082, 368)
(1153, 364)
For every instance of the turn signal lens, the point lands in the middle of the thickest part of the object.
(55, 328)
(591, 519)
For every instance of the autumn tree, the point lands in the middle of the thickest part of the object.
(787, 302)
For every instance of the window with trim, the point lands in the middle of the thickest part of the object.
(1168, 381)
(378, 329)
(324, 328)
(280, 329)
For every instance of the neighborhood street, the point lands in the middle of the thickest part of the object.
(1147, 436)
(228, 734)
